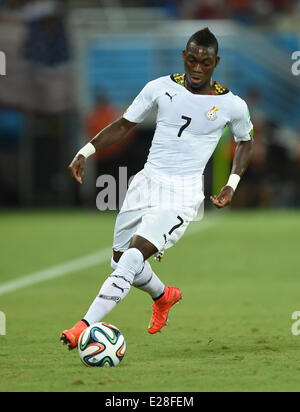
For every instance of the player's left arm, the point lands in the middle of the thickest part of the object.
(242, 129)
(242, 157)
(241, 160)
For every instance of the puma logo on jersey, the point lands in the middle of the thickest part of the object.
(212, 113)
(171, 97)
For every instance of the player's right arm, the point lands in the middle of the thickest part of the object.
(113, 133)
(117, 130)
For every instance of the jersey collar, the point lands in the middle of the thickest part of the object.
(179, 78)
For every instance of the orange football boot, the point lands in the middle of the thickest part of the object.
(70, 336)
(161, 308)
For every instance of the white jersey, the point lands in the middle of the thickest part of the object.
(188, 126)
(167, 194)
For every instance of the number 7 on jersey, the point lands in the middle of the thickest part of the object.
(188, 121)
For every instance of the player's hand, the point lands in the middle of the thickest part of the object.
(224, 198)
(76, 168)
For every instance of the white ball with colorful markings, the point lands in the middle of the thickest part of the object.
(101, 344)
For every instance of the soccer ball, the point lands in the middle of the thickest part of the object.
(101, 344)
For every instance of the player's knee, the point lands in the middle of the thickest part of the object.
(134, 256)
(130, 263)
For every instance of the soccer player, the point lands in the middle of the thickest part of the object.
(166, 195)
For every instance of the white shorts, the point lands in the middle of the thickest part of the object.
(158, 210)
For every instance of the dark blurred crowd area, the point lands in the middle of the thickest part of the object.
(277, 13)
(40, 116)
(273, 176)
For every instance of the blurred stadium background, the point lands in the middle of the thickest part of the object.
(73, 66)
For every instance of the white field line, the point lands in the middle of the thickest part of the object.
(84, 262)
(53, 272)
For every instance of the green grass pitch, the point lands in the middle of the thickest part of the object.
(239, 273)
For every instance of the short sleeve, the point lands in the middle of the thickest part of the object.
(241, 125)
(141, 105)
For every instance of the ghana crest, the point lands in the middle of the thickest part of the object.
(212, 113)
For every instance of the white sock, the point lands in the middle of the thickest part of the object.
(146, 280)
(116, 286)
(111, 293)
